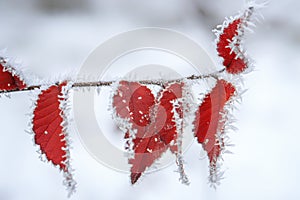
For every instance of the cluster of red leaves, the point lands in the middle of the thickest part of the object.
(151, 118)
(150, 121)
(152, 125)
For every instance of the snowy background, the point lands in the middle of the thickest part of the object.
(54, 36)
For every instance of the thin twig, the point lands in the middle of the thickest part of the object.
(159, 82)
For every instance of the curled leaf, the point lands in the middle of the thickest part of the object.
(229, 42)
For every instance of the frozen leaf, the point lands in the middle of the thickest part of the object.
(133, 101)
(209, 121)
(229, 42)
(9, 78)
(50, 131)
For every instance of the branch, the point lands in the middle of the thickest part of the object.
(158, 82)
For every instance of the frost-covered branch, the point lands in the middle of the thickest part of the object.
(159, 82)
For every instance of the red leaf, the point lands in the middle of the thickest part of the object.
(136, 113)
(153, 121)
(209, 121)
(133, 101)
(229, 44)
(9, 80)
(168, 133)
(50, 136)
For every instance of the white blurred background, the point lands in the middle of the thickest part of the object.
(54, 36)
